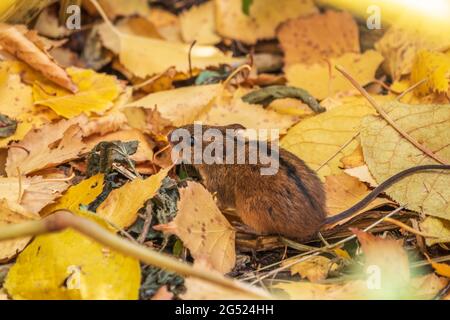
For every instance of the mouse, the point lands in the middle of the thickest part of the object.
(290, 203)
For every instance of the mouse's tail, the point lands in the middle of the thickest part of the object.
(380, 189)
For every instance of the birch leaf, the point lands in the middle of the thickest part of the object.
(322, 80)
(14, 40)
(317, 37)
(317, 139)
(96, 94)
(198, 24)
(386, 153)
(11, 213)
(48, 146)
(439, 228)
(203, 229)
(263, 19)
(85, 270)
(122, 205)
(435, 68)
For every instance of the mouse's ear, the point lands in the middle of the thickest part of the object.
(236, 126)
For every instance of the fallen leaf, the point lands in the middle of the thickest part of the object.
(441, 269)
(356, 159)
(122, 205)
(146, 57)
(48, 146)
(78, 195)
(363, 174)
(96, 94)
(32, 193)
(389, 259)
(14, 40)
(317, 139)
(318, 37)
(85, 270)
(167, 24)
(435, 68)
(322, 80)
(203, 229)
(144, 151)
(198, 24)
(399, 46)
(386, 153)
(315, 269)
(180, 106)
(11, 213)
(125, 8)
(344, 191)
(262, 21)
(436, 227)
(231, 110)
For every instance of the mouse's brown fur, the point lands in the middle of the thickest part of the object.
(290, 203)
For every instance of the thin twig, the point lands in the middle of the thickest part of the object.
(388, 119)
(64, 219)
(305, 256)
(345, 145)
(190, 57)
(408, 228)
(414, 86)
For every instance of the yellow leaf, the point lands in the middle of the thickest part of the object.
(96, 94)
(344, 191)
(441, 269)
(48, 146)
(435, 68)
(180, 106)
(386, 153)
(261, 23)
(203, 229)
(318, 37)
(317, 139)
(145, 57)
(314, 269)
(122, 205)
(198, 24)
(356, 159)
(17, 41)
(230, 110)
(439, 228)
(124, 7)
(15, 97)
(68, 265)
(83, 193)
(11, 213)
(322, 80)
(400, 45)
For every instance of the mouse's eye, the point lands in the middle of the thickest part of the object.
(192, 141)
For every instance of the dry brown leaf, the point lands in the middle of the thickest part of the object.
(16, 43)
(261, 23)
(199, 24)
(144, 151)
(389, 258)
(314, 269)
(318, 37)
(203, 229)
(363, 174)
(35, 192)
(48, 146)
(399, 46)
(344, 191)
(110, 122)
(322, 80)
(386, 153)
(11, 213)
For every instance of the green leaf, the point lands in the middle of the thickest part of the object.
(266, 95)
(246, 4)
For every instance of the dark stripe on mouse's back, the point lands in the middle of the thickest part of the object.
(293, 174)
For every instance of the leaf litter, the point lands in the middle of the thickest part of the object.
(83, 125)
